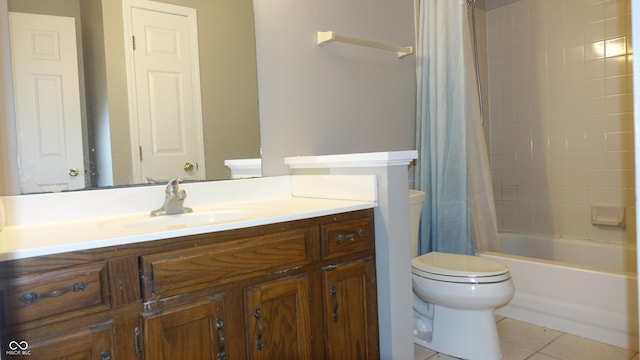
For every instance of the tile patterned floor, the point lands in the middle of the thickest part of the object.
(522, 341)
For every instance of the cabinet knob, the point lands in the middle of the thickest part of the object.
(74, 172)
(188, 166)
(105, 354)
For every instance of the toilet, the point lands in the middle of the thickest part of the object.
(454, 298)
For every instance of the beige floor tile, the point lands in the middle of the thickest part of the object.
(520, 341)
(513, 352)
(522, 335)
(421, 353)
(570, 347)
(541, 357)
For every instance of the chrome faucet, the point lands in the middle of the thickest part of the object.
(173, 201)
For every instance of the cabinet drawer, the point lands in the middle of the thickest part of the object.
(175, 272)
(347, 237)
(78, 289)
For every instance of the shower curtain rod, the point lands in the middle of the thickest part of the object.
(328, 36)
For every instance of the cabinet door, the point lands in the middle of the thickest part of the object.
(88, 343)
(277, 319)
(351, 318)
(192, 331)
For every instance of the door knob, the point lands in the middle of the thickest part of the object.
(188, 166)
(74, 172)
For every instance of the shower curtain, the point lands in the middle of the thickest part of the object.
(453, 167)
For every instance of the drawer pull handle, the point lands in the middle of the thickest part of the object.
(30, 298)
(137, 341)
(352, 236)
(259, 343)
(221, 353)
(334, 296)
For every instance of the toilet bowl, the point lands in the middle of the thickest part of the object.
(455, 297)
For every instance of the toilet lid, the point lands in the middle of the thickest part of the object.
(459, 268)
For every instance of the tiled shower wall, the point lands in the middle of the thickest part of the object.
(561, 115)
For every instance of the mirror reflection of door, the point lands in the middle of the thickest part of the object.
(167, 95)
(47, 102)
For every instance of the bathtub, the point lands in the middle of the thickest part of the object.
(581, 287)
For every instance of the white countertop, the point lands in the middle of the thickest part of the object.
(35, 240)
(309, 196)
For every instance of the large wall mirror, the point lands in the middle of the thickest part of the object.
(227, 84)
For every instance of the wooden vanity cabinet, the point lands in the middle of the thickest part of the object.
(185, 331)
(277, 318)
(271, 322)
(42, 310)
(297, 290)
(90, 342)
(350, 311)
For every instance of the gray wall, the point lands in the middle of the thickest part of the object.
(336, 98)
(319, 100)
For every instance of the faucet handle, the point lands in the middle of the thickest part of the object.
(172, 186)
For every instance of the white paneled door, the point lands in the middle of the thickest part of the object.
(47, 102)
(167, 90)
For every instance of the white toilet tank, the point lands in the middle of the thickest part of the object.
(416, 199)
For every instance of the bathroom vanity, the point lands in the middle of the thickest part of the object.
(296, 282)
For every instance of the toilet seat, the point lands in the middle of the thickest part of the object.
(458, 268)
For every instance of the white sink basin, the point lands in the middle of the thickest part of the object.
(196, 218)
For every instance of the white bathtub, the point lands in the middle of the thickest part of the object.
(581, 287)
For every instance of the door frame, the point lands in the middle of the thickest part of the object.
(191, 15)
